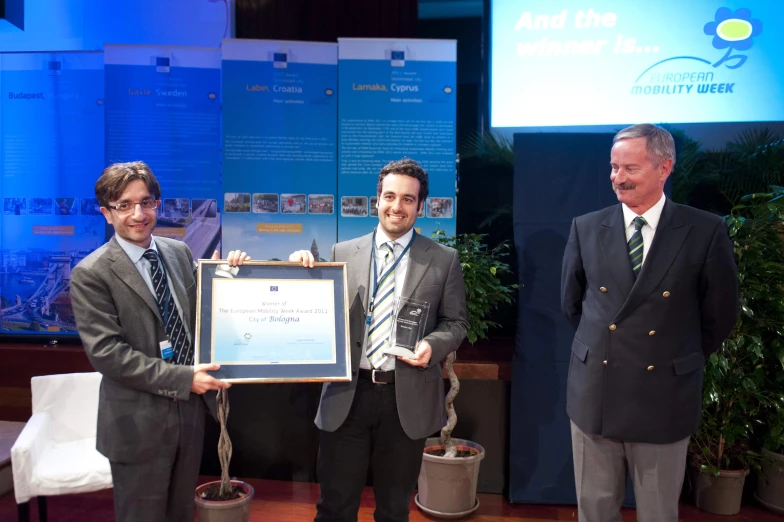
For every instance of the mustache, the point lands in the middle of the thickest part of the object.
(625, 186)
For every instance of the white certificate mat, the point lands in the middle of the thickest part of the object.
(273, 321)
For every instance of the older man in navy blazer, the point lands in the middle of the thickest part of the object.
(651, 287)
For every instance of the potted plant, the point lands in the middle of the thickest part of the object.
(770, 485)
(450, 467)
(224, 500)
(738, 392)
(763, 292)
(487, 154)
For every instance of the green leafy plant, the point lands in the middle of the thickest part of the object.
(716, 180)
(483, 272)
(759, 240)
(489, 146)
(483, 269)
(743, 401)
(487, 153)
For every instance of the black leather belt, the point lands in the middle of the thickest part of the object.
(377, 377)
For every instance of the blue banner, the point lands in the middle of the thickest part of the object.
(163, 108)
(86, 25)
(397, 98)
(51, 125)
(279, 112)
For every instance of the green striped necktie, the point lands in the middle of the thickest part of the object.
(636, 246)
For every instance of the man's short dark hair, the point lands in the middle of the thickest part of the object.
(405, 167)
(116, 177)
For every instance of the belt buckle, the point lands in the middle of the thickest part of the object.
(373, 377)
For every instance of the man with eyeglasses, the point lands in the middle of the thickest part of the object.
(134, 300)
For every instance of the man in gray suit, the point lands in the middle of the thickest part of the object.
(382, 417)
(651, 287)
(134, 300)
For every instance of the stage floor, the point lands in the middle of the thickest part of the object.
(295, 502)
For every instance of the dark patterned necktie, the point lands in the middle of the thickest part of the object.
(636, 245)
(381, 323)
(172, 321)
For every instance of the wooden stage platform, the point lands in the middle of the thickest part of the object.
(279, 501)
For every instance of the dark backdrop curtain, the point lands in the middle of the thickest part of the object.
(556, 177)
(325, 20)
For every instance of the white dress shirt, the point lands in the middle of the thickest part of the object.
(136, 253)
(400, 276)
(652, 217)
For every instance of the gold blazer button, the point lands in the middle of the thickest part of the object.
(613, 327)
(650, 368)
(652, 333)
(666, 293)
(605, 362)
(602, 289)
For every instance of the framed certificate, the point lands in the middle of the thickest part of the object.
(270, 321)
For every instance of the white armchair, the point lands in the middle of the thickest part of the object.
(55, 453)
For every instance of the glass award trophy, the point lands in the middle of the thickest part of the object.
(408, 326)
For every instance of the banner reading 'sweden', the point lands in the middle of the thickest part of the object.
(163, 108)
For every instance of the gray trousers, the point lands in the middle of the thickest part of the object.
(600, 469)
(162, 489)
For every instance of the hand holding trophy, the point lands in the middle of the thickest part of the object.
(408, 326)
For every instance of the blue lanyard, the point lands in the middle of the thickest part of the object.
(376, 281)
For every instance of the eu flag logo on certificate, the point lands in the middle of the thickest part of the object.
(273, 289)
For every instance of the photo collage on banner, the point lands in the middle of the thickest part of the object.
(261, 173)
(163, 107)
(397, 99)
(52, 130)
(279, 147)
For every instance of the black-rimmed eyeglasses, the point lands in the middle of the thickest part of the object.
(127, 207)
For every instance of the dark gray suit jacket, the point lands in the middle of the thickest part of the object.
(636, 368)
(121, 328)
(433, 275)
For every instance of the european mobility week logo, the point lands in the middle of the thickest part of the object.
(734, 31)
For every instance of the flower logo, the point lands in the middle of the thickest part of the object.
(734, 30)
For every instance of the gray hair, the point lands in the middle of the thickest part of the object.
(658, 142)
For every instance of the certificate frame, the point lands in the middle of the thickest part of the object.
(215, 282)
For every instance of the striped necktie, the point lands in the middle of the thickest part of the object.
(172, 322)
(636, 246)
(381, 321)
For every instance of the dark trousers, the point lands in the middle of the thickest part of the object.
(161, 489)
(371, 437)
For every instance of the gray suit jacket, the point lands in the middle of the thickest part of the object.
(434, 275)
(121, 328)
(636, 368)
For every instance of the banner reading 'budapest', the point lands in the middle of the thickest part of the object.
(51, 128)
